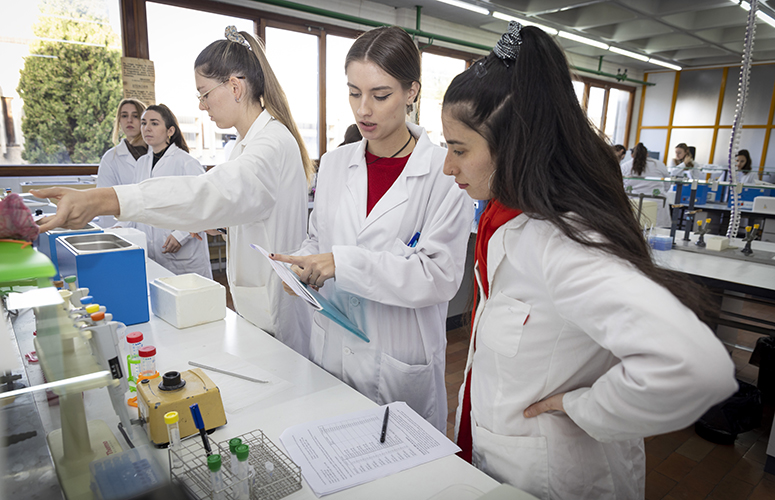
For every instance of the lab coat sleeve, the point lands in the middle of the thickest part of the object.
(672, 367)
(310, 246)
(233, 193)
(400, 277)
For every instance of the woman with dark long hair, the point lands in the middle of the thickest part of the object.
(744, 164)
(259, 196)
(580, 345)
(642, 166)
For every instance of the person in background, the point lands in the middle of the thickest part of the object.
(168, 156)
(387, 238)
(620, 152)
(680, 152)
(581, 346)
(352, 134)
(118, 164)
(744, 173)
(259, 196)
(687, 168)
(642, 166)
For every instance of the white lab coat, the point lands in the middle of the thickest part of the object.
(194, 255)
(117, 166)
(396, 294)
(749, 178)
(632, 360)
(681, 170)
(260, 196)
(654, 168)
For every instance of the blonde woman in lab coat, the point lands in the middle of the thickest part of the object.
(259, 195)
(388, 238)
(168, 156)
(580, 345)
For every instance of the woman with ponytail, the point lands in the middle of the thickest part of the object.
(642, 166)
(580, 345)
(259, 196)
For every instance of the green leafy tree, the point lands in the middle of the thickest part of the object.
(70, 84)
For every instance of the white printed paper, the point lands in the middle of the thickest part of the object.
(340, 452)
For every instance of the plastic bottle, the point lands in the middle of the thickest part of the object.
(134, 342)
(243, 488)
(173, 433)
(216, 476)
(148, 362)
(233, 443)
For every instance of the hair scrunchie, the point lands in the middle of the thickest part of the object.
(507, 48)
(234, 36)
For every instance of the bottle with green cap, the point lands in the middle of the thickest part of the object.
(243, 488)
(173, 431)
(216, 476)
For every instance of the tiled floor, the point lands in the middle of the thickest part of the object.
(679, 465)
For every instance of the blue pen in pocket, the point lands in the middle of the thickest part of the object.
(413, 242)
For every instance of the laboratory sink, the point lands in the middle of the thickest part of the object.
(102, 242)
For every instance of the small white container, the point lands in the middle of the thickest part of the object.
(188, 300)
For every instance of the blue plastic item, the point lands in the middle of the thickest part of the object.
(661, 242)
(46, 242)
(124, 475)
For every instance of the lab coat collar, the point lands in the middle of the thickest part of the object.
(171, 151)
(258, 125)
(418, 165)
(496, 247)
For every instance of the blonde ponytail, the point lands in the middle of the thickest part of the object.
(276, 102)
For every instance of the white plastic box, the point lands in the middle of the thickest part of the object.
(188, 300)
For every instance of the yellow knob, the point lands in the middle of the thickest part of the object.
(756, 226)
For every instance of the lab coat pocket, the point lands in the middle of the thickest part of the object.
(317, 341)
(401, 248)
(413, 384)
(503, 320)
(520, 461)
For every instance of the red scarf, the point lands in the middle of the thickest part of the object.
(494, 216)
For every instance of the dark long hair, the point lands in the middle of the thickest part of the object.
(223, 59)
(639, 156)
(747, 167)
(550, 162)
(170, 121)
(393, 50)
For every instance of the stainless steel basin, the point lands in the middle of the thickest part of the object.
(88, 227)
(92, 243)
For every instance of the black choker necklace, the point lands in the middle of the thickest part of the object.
(394, 154)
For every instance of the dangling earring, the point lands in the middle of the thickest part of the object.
(237, 99)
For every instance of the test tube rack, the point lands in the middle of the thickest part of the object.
(194, 475)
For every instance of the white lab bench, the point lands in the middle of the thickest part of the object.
(731, 275)
(313, 394)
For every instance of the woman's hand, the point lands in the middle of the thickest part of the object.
(76, 207)
(172, 245)
(312, 269)
(548, 404)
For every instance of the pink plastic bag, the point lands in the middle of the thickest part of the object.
(16, 222)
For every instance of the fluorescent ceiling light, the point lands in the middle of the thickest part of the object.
(766, 18)
(664, 64)
(467, 6)
(634, 55)
(581, 39)
(525, 22)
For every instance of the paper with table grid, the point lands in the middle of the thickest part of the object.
(340, 452)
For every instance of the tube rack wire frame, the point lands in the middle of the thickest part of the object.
(194, 475)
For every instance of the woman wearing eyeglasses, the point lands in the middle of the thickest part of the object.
(259, 195)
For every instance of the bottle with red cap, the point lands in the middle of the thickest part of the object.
(148, 362)
(134, 342)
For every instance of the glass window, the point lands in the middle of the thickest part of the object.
(654, 140)
(437, 74)
(176, 36)
(294, 59)
(47, 115)
(579, 88)
(697, 100)
(616, 118)
(751, 139)
(339, 116)
(658, 100)
(596, 105)
(700, 138)
(757, 107)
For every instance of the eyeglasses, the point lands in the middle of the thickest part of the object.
(203, 97)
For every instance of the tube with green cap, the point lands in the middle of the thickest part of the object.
(216, 476)
(243, 489)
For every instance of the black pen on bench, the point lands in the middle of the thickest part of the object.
(384, 425)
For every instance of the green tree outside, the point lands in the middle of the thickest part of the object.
(70, 90)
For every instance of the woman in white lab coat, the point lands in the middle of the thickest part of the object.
(259, 196)
(744, 173)
(642, 166)
(118, 164)
(580, 346)
(387, 238)
(168, 156)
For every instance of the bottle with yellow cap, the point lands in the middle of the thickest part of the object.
(171, 419)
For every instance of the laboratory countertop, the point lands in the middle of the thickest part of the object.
(309, 393)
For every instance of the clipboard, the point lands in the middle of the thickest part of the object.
(312, 297)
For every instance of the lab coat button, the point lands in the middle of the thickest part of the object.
(354, 301)
(348, 351)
